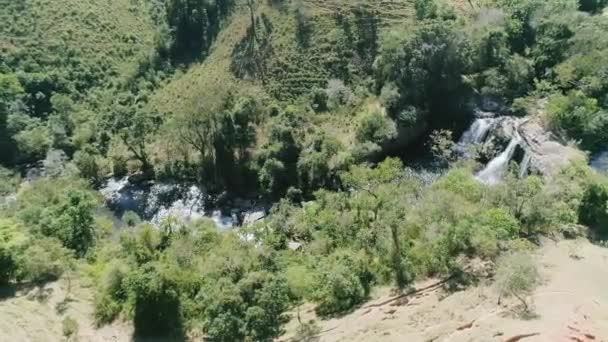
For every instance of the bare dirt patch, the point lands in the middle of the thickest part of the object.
(571, 305)
(32, 314)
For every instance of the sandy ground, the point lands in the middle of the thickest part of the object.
(33, 315)
(571, 305)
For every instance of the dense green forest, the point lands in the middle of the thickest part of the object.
(322, 109)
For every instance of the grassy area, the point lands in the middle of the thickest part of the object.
(83, 42)
(204, 83)
(294, 70)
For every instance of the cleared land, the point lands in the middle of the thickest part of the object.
(571, 305)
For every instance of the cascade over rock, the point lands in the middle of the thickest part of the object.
(155, 202)
(504, 140)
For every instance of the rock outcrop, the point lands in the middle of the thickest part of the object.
(547, 155)
(504, 140)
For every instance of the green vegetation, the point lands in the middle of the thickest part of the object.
(69, 327)
(517, 276)
(308, 105)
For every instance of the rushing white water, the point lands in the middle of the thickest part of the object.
(525, 164)
(155, 202)
(477, 132)
(496, 168)
(188, 208)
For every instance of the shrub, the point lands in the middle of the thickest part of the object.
(71, 222)
(12, 241)
(319, 100)
(338, 94)
(131, 219)
(342, 281)
(69, 327)
(9, 181)
(308, 332)
(87, 165)
(8, 266)
(33, 142)
(155, 302)
(461, 182)
(60, 208)
(389, 96)
(425, 9)
(44, 260)
(252, 309)
(375, 127)
(580, 117)
(593, 210)
(106, 310)
(504, 224)
(517, 276)
(490, 227)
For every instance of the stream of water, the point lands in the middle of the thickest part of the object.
(496, 168)
(155, 202)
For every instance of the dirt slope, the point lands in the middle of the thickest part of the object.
(36, 315)
(571, 305)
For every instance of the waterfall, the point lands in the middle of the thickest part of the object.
(477, 132)
(599, 161)
(494, 171)
(525, 164)
(154, 202)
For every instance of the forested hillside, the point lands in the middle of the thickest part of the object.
(207, 167)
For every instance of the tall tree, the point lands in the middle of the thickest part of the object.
(10, 92)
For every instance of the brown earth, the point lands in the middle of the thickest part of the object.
(32, 314)
(571, 305)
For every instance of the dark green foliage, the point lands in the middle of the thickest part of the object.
(131, 219)
(86, 162)
(318, 162)
(62, 209)
(278, 159)
(519, 22)
(579, 117)
(319, 99)
(44, 260)
(375, 127)
(426, 9)
(134, 126)
(8, 266)
(237, 296)
(592, 6)
(222, 136)
(366, 24)
(10, 93)
(304, 28)
(156, 303)
(9, 181)
(250, 58)
(252, 308)
(551, 45)
(427, 71)
(194, 25)
(235, 135)
(71, 222)
(342, 281)
(594, 207)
